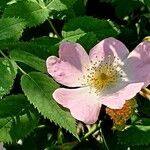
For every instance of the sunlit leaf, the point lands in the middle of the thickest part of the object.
(11, 28)
(32, 13)
(76, 28)
(39, 89)
(59, 8)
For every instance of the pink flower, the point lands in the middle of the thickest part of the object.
(109, 75)
(1, 147)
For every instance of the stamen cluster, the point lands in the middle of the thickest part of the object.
(102, 73)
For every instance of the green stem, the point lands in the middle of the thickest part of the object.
(41, 126)
(104, 141)
(94, 128)
(3, 54)
(52, 26)
(21, 70)
(9, 59)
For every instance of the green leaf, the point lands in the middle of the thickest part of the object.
(90, 37)
(41, 47)
(59, 8)
(125, 7)
(76, 28)
(32, 13)
(3, 4)
(73, 36)
(11, 28)
(59, 5)
(47, 45)
(147, 2)
(79, 7)
(15, 104)
(29, 59)
(7, 75)
(39, 89)
(141, 147)
(137, 134)
(19, 121)
(47, 136)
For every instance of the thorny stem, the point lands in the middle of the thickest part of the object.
(145, 92)
(9, 59)
(52, 26)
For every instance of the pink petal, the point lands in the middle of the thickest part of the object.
(68, 69)
(63, 72)
(116, 100)
(137, 64)
(143, 75)
(140, 55)
(74, 54)
(109, 46)
(83, 105)
(1, 146)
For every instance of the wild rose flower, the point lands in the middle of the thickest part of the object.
(109, 75)
(1, 147)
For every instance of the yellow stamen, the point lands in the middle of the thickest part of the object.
(102, 74)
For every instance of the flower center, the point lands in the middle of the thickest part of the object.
(103, 74)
